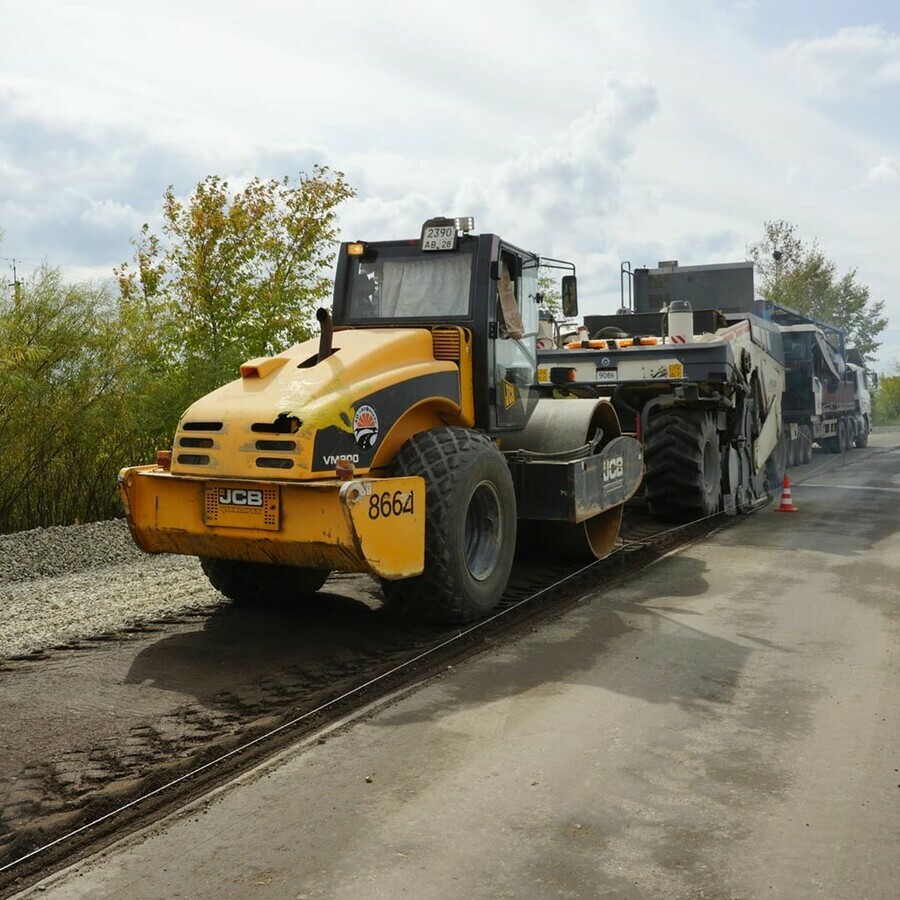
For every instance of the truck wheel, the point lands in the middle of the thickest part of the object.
(261, 583)
(862, 437)
(470, 527)
(835, 444)
(683, 464)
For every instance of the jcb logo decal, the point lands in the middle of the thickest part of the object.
(509, 394)
(613, 468)
(240, 497)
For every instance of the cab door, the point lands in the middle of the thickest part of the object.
(514, 330)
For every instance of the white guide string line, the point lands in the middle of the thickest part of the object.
(851, 487)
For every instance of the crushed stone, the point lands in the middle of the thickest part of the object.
(66, 584)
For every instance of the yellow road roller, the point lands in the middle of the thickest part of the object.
(406, 441)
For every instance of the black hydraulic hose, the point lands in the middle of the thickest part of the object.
(618, 399)
(648, 408)
(582, 452)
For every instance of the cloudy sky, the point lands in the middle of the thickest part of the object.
(589, 129)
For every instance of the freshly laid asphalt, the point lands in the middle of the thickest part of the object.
(724, 725)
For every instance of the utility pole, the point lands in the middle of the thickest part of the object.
(16, 284)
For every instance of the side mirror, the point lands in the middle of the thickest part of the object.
(569, 296)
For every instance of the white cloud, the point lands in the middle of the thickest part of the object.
(569, 184)
(856, 60)
(109, 214)
(494, 110)
(885, 171)
(378, 218)
(552, 196)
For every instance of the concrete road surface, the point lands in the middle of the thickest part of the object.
(725, 726)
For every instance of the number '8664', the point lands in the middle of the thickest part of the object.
(383, 506)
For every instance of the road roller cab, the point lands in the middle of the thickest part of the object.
(406, 441)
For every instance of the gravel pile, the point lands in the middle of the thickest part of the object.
(64, 584)
(64, 549)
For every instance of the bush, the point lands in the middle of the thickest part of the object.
(886, 402)
(63, 414)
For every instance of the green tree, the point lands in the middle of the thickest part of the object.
(799, 275)
(64, 417)
(548, 286)
(233, 275)
(886, 402)
(90, 382)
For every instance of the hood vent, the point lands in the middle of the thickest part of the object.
(284, 424)
(284, 446)
(446, 343)
(193, 459)
(271, 462)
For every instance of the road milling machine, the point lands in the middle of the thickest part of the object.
(827, 399)
(700, 376)
(408, 441)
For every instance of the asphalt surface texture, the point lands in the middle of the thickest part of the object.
(724, 725)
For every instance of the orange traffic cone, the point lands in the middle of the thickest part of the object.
(786, 504)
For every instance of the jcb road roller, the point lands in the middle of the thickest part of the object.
(406, 441)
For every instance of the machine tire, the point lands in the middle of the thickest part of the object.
(261, 583)
(806, 444)
(862, 438)
(470, 527)
(683, 464)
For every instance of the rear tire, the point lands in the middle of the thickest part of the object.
(470, 527)
(834, 444)
(683, 464)
(261, 583)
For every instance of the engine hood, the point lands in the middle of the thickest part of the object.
(292, 417)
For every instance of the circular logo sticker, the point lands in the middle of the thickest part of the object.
(365, 427)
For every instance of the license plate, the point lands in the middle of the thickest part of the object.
(242, 506)
(607, 374)
(439, 237)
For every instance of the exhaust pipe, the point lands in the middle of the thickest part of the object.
(679, 322)
(326, 334)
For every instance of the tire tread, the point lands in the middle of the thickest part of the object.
(440, 456)
(673, 454)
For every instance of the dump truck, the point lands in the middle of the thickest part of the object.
(407, 441)
(697, 374)
(827, 399)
